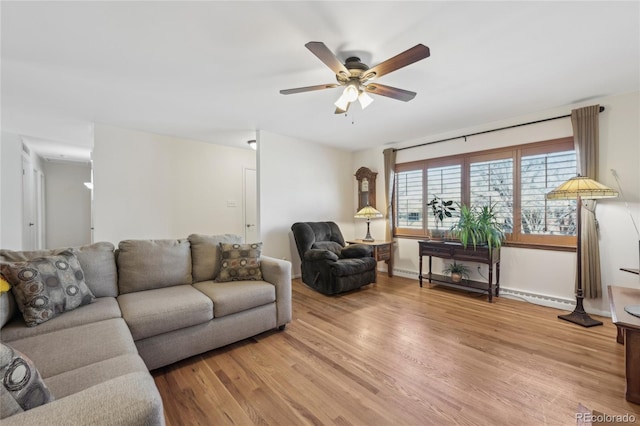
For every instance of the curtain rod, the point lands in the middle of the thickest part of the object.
(487, 131)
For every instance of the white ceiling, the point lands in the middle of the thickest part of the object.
(211, 71)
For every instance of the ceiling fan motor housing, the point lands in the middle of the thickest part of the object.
(356, 69)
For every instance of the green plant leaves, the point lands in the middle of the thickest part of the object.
(478, 226)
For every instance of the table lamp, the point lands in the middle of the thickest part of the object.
(578, 188)
(368, 212)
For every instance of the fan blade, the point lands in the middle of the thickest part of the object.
(308, 89)
(323, 53)
(390, 92)
(408, 57)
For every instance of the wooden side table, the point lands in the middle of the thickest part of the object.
(629, 326)
(382, 250)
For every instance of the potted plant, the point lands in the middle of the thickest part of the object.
(457, 271)
(440, 209)
(478, 226)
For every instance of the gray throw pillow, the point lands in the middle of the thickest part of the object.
(47, 286)
(239, 262)
(22, 387)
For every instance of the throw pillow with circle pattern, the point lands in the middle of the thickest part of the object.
(47, 286)
(22, 387)
(239, 262)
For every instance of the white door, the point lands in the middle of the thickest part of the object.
(28, 219)
(39, 209)
(250, 206)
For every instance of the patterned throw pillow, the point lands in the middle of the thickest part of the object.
(47, 286)
(22, 387)
(239, 262)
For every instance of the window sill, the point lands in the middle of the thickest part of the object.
(505, 244)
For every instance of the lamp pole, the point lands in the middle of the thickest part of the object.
(579, 315)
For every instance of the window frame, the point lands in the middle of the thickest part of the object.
(516, 152)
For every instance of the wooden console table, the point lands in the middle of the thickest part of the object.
(628, 334)
(382, 250)
(455, 251)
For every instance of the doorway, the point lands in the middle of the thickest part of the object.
(251, 233)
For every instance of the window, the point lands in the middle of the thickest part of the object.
(409, 199)
(513, 180)
(446, 183)
(491, 184)
(540, 173)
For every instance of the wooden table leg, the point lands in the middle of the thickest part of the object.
(620, 335)
(420, 271)
(632, 362)
(490, 282)
(498, 278)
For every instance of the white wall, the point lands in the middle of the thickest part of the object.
(300, 181)
(11, 192)
(530, 272)
(68, 204)
(154, 186)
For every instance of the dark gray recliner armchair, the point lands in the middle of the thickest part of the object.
(327, 265)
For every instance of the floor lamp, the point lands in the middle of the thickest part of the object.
(579, 188)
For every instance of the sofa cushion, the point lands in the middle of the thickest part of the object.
(101, 309)
(229, 298)
(132, 400)
(205, 254)
(158, 311)
(239, 262)
(72, 348)
(77, 380)
(97, 261)
(346, 267)
(150, 264)
(47, 286)
(22, 387)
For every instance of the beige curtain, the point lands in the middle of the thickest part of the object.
(586, 137)
(389, 183)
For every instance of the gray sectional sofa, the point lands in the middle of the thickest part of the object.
(156, 302)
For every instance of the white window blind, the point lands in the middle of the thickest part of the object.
(446, 184)
(491, 184)
(409, 202)
(539, 175)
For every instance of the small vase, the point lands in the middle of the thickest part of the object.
(437, 234)
(456, 277)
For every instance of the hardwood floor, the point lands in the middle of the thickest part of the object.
(395, 353)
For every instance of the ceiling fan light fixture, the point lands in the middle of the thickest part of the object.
(365, 99)
(342, 103)
(351, 92)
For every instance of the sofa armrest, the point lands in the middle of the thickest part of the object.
(355, 251)
(278, 273)
(132, 399)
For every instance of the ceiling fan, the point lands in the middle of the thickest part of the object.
(357, 77)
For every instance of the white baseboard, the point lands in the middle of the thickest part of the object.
(527, 296)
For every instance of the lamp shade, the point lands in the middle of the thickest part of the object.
(368, 212)
(582, 186)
